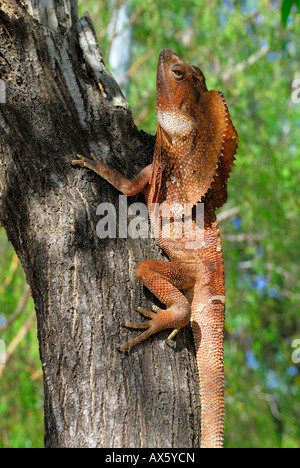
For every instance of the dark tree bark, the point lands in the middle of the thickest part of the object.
(83, 287)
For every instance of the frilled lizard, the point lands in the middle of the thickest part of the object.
(195, 147)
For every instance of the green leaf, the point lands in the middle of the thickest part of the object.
(286, 9)
(298, 5)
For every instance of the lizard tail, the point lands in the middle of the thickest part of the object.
(208, 326)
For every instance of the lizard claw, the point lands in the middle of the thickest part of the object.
(156, 323)
(142, 325)
(136, 325)
(80, 161)
(145, 312)
(92, 163)
(94, 157)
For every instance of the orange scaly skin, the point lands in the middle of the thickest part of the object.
(195, 148)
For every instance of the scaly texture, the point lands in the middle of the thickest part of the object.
(195, 147)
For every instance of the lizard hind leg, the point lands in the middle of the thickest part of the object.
(164, 280)
(140, 326)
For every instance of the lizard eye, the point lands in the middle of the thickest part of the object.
(178, 73)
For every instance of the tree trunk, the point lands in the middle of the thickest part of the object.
(83, 287)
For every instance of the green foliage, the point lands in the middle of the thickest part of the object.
(286, 8)
(244, 52)
(21, 390)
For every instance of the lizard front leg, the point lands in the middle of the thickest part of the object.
(127, 187)
(164, 279)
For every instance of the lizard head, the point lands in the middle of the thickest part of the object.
(196, 140)
(179, 87)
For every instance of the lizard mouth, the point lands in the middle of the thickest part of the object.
(168, 53)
